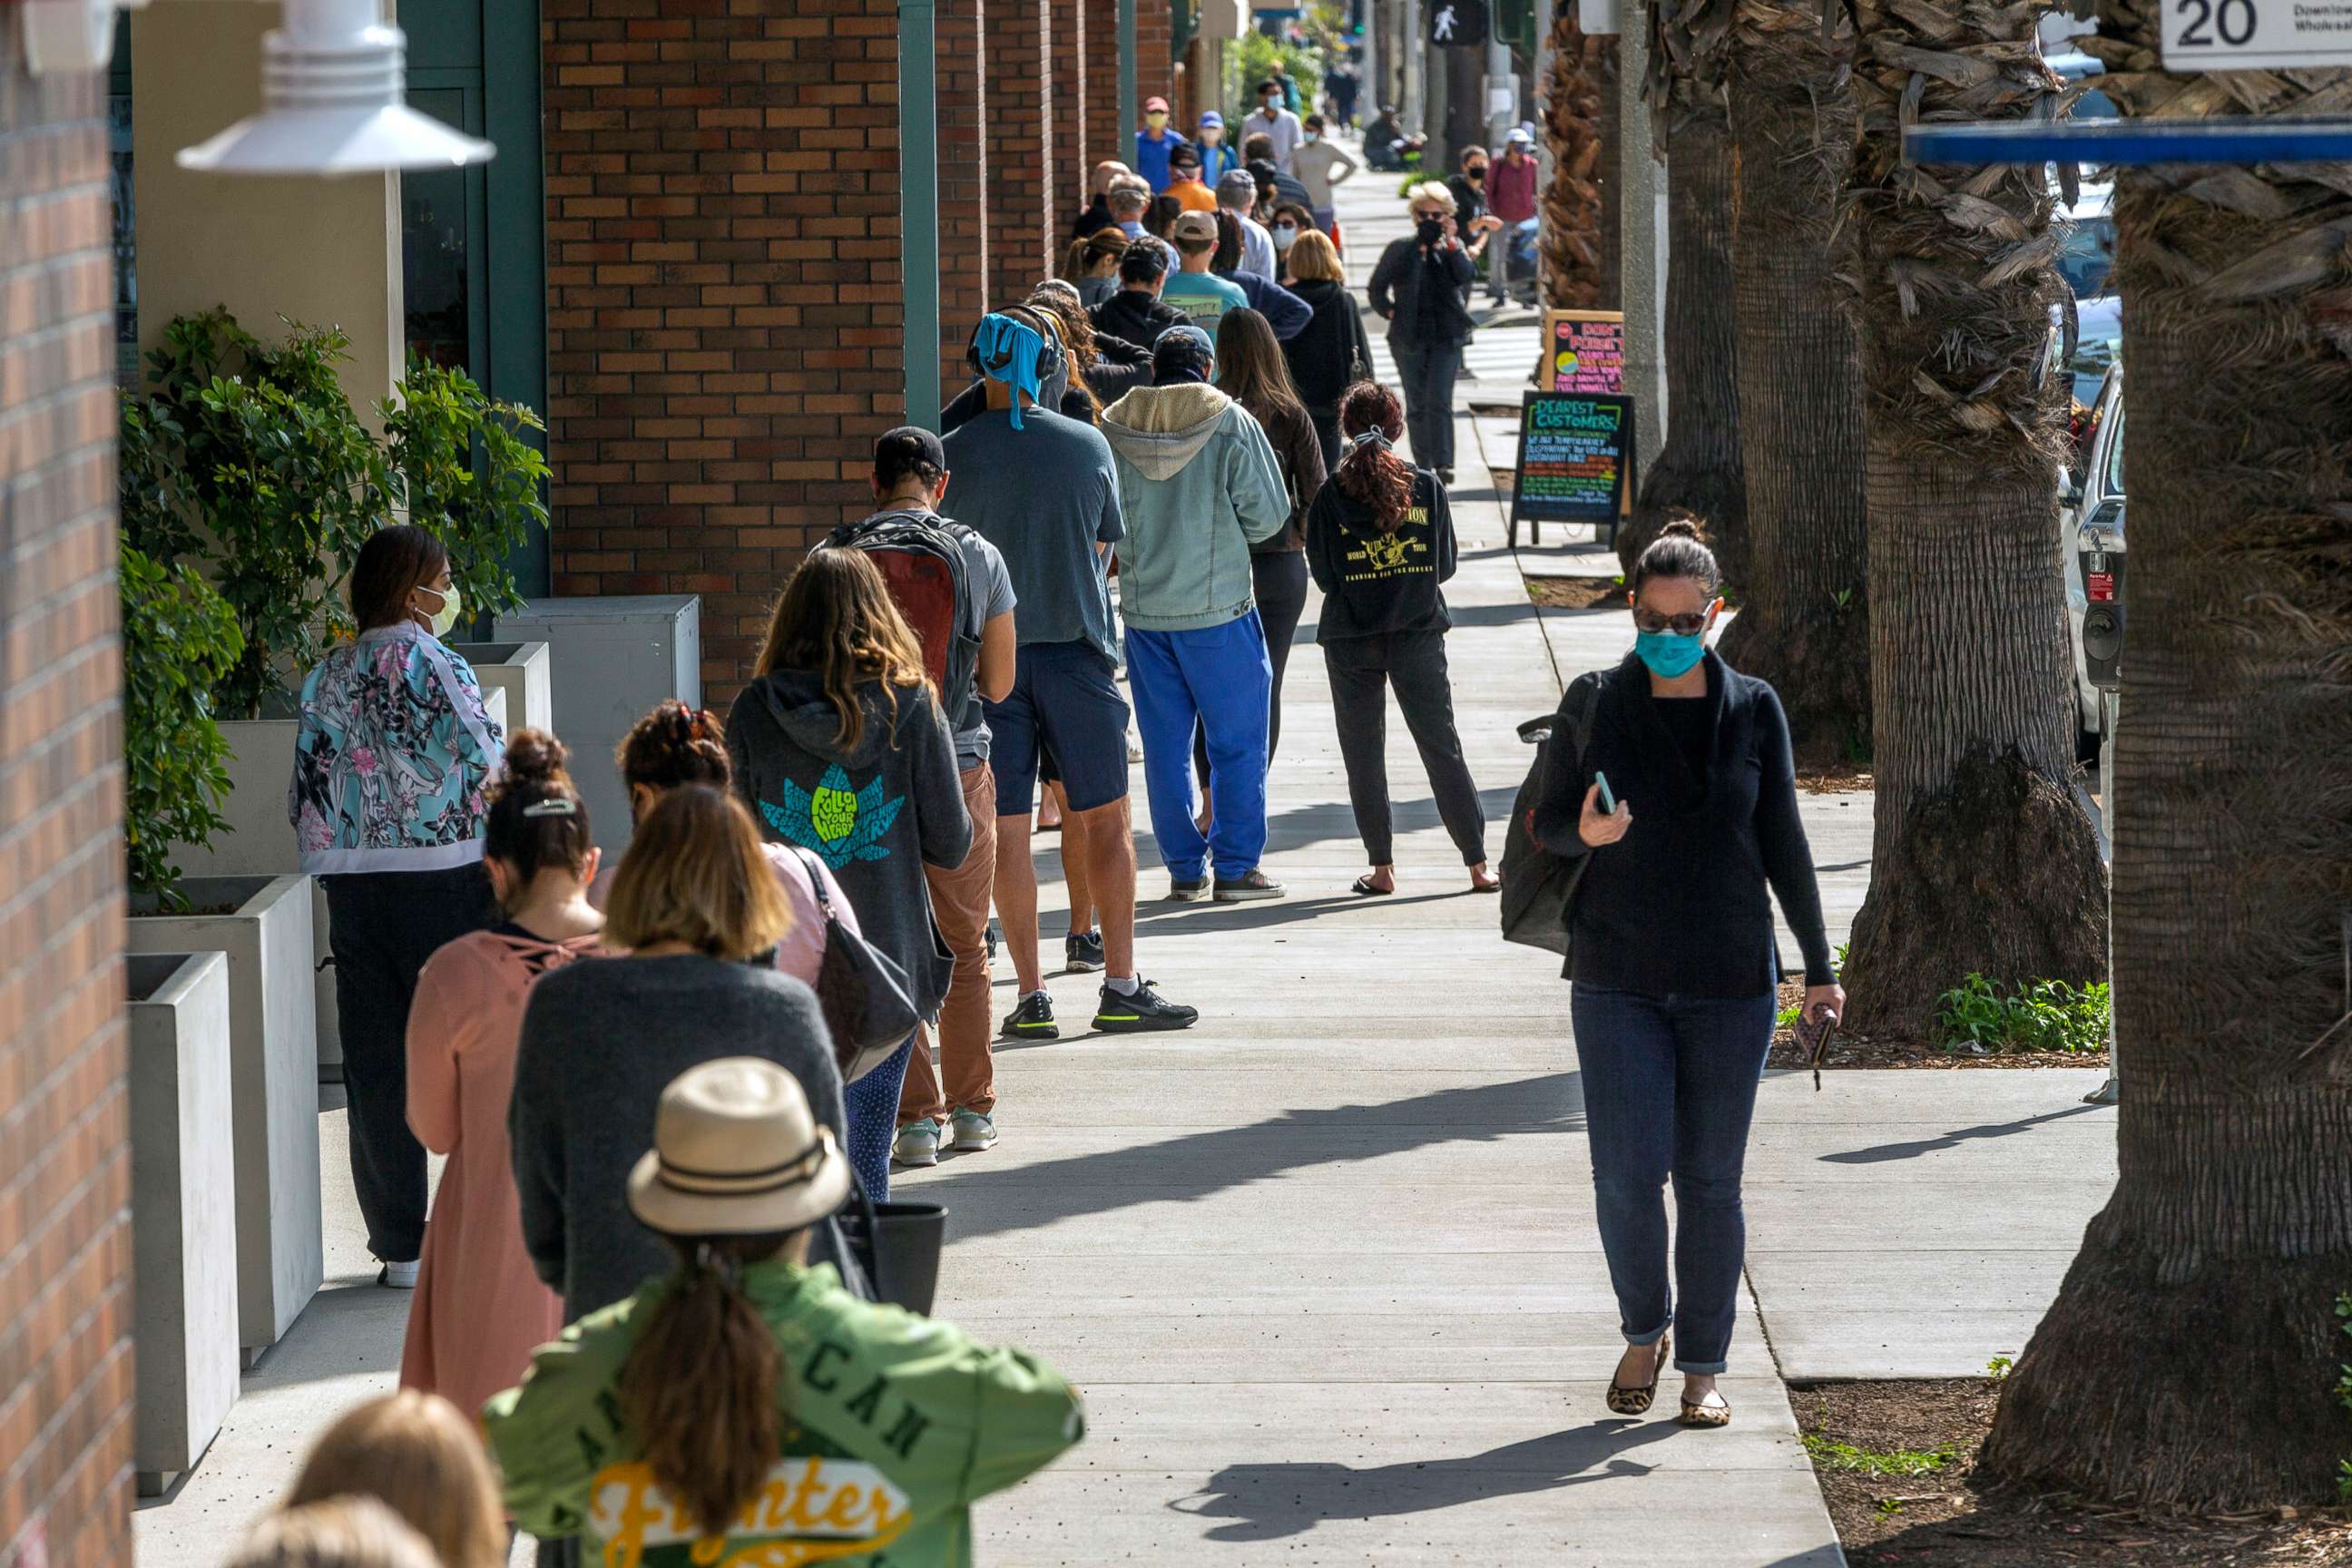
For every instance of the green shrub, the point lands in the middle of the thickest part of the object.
(1834, 1456)
(460, 464)
(1983, 1015)
(179, 638)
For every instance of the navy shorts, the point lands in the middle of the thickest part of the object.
(1064, 695)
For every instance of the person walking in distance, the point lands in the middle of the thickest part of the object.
(1199, 293)
(1320, 163)
(1332, 351)
(391, 754)
(1198, 485)
(910, 482)
(740, 1406)
(1672, 957)
(1217, 158)
(1137, 314)
(1044, 490)
(1379, 538)
(1511, 198)
(1154, 142)
(1276, 121)
(1417, 288)
(841, 752)
(480, 1309)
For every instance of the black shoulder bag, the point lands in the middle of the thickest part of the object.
(868, 1007)
(1539, 887)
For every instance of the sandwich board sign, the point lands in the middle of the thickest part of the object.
(1584, 351)
(1575, 461)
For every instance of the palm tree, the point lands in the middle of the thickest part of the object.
(1575, 275)
(1699, 471)
(1804, 616)
(2189, 1358)
(1980, 806)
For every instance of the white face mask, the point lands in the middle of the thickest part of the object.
(443, 618)
(1285, 236)
(1314, 136)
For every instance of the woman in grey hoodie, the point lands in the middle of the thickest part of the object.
(839, 748)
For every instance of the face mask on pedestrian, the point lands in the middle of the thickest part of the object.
(1312, 137)
(1155, 119)
(1271, 104)
(1670, 654)
(1430, 230)
(1474, 173)
(1284, 235)
(441, 620)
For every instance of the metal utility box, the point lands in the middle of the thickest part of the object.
(610, 661)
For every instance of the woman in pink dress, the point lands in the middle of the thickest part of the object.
(480, 1309)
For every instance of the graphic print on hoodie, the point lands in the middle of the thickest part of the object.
(876, 813)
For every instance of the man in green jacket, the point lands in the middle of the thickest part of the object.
(1197, 485)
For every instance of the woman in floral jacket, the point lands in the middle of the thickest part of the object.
(386, 801)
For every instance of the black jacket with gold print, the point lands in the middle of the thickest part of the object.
(1375, 583)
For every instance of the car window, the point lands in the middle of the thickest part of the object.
(2112, 481)
(2089, 255)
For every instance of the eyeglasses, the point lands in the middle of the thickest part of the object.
(1681, 625)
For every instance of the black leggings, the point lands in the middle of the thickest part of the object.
(1278, 577)
(1413, 663)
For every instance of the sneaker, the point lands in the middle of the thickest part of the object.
(1181, 890)
(1248, 889)
(398, 1276)
(1082, 952)
(1032, 1020)
(1144, 1010)
(918, 1145)
(975, 1130)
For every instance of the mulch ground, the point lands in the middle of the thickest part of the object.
(1947, 1514)
(1577, 593)
(1849, 1050)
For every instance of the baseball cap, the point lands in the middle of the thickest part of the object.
(1143, 261)
(1195, 226)
(1520, 136)
(1155, 106)
(1187, 156)
(906, 450)
(1211, 118)
(1182, 354)
(1237, 189)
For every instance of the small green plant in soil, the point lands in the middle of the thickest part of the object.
(1985, 1016)
(1998, 1368)
(1835, 1456)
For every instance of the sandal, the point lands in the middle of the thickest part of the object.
(1627, 1399)
(1712, 1411)
(1364, 888)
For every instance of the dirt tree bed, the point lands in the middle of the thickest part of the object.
(1907, 1051)
(1896, 1463)
(1576, 593)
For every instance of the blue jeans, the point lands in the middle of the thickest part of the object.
(1219, 678)
(1669, 1091)
(870, 1107)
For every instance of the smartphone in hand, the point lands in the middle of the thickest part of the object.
(1608, 795)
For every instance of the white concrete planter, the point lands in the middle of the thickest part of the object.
(274, 1082)
(520, 670)
(183, 1211)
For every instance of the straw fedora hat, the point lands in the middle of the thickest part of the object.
(737, 1153)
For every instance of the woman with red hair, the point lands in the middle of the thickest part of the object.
(1379, 540)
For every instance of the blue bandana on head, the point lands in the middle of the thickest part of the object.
(1010, 352)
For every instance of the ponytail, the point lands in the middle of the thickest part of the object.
(1370, 419)
(701, 1389)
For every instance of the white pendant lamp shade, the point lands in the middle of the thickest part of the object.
(332, 103)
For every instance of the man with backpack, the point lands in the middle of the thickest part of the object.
(1040, 487)
(952, 586)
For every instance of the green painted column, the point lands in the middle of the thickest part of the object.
(1130, 111)
(918, 203)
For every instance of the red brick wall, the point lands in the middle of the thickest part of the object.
(967, 290)
(65, 1167)
(724, 314)
(1070, 89)
(1021, 151)
(1155, 73)
(1106, 138)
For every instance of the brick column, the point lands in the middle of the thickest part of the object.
(1076, 149)
(1155, 31)
(1020, 144)
(966, 288)
(1106, 137)
(724, 304)
(65, 1305)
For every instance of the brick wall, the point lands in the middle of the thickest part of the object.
(1106, 138)
(65, 1169)
(1071, 88)
(966, 289)
(1021, 150)
(724, 315)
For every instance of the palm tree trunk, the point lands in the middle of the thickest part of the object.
(2189, 1358)
(1570, 232)
(1698, 472)
(1602, 64)
(1980, 809)
(1804, 614)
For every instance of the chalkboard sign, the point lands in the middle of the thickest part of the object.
(1584, 351)
(1575, 460)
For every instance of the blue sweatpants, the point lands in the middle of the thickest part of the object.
(1219, 678)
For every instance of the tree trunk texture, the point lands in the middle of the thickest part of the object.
(1980, 813)
(1699, 473)
(1804, 611)
(1570, 231)
(2188, 1359)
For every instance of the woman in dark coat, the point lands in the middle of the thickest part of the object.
(1419, 289)
(1334, 351)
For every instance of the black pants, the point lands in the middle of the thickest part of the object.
(1428, 371)
(1415, 664)
(382, 927)
(1279, 579)
(1327, 431)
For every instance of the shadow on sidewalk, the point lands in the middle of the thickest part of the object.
(1271, 1501)
(1913, 1149)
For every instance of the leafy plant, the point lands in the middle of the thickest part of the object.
(1998, 1368)
(460, 464)
(1983, 1015)
(1835, 1456)
(179, 638)
(1247, 60)
(1786, 1019)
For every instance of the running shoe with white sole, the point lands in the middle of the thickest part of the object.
(1248, 889)
(1082, 952)
(974, 1132)
(1182, 891)
(918, 1143)
(398, 1276)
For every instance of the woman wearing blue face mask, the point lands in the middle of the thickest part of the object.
(1673, 957)
(389, 758)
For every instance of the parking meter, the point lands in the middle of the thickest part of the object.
(2099, 543)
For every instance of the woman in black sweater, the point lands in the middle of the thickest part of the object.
(1333, 351)
(1380, 540)
(1673, 956)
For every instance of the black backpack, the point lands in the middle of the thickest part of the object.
(922, 562)
(1539, 887)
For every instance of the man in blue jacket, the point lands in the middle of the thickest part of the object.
(1197, 485)
(1154, 142)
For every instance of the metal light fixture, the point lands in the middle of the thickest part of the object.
(332, 103)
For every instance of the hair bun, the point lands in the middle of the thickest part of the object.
(1680, 528)
(534, 756)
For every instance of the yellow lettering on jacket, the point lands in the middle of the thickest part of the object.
(820, 1507)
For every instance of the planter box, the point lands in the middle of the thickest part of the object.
(183, 1211)
(612, 660)
(260, 843)
(274, 1082)
(521, 671)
